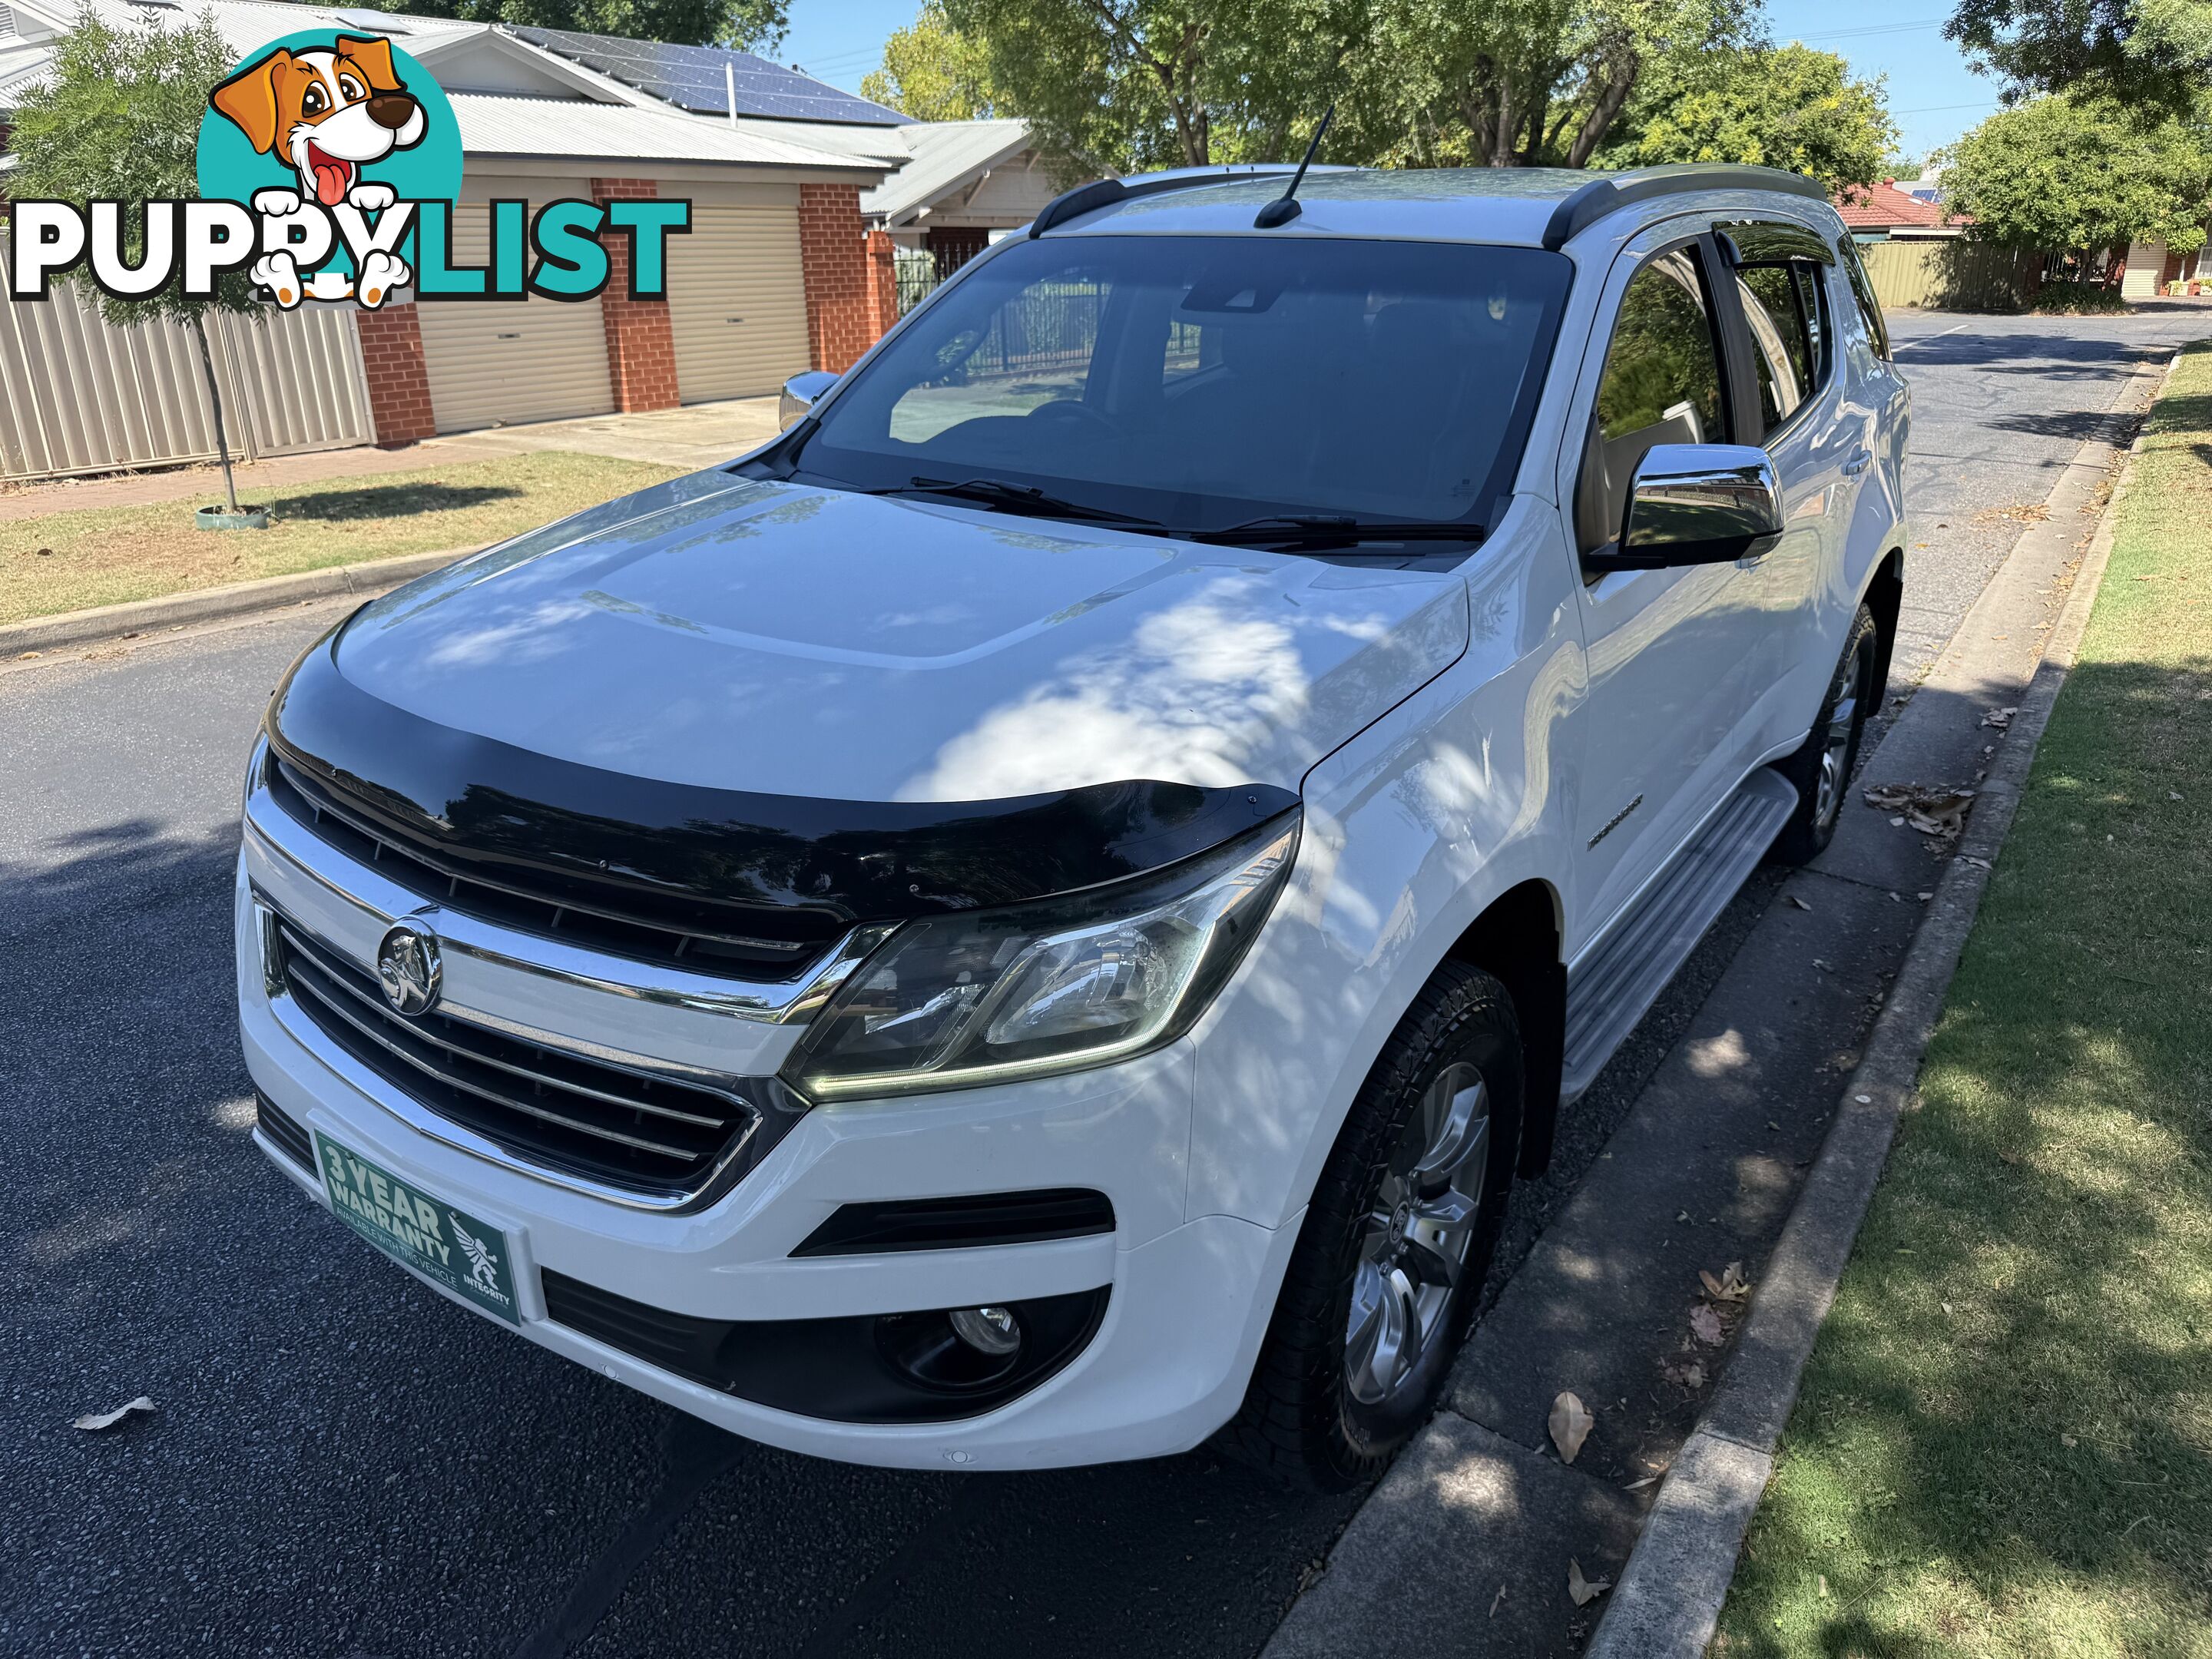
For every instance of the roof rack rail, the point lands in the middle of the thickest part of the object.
(1602, 196)
(1105, 193)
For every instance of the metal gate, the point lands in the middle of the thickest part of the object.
(78, 396)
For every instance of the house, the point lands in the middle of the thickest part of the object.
(1885, 213)
(789, 262)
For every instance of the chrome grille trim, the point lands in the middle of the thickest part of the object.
(297, 1001)
(276, 833)
(439, 879)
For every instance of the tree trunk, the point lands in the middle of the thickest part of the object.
(215, 402)
(1617, 88)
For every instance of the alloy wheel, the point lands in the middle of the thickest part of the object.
(1415, 1243)
(1835, 752)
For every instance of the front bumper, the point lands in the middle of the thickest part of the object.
(1188, 1301)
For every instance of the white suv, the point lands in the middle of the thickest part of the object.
(1036, 919)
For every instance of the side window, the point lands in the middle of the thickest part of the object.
(1661, 385)
(1862, 291)
(1781, 310)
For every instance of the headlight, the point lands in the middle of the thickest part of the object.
(952, 1001)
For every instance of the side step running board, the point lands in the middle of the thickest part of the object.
(1621, 975)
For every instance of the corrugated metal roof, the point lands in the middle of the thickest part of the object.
(946, 154)
(493, 125)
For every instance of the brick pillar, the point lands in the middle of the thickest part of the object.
(883, 284)
(640, 340)
(399, 381)
(845, 305)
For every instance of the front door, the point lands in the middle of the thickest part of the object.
(1673, 655)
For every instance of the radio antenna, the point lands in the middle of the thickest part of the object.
(1286, 208)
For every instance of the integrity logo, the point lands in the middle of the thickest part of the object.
(329, 168)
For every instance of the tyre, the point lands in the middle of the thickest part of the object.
(1396, 1245)
(1821, 769)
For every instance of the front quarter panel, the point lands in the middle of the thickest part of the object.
(1411, 829)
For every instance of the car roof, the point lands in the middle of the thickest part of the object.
(1530, 207)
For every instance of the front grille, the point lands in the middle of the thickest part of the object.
(575, 1116)
(616, 918)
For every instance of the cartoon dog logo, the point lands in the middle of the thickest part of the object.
(329, 112)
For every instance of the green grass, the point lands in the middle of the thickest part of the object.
(2004, 1443)
(71, 560)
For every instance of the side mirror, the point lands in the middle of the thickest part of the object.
(800, 393)
(1696, 504)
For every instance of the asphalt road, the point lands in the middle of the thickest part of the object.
(345, 1464)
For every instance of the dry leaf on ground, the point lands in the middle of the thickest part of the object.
(1584, 1590)
(1497, 1600)
(1691, 1377)
(1938, 810)
(1706, 1326)
(1570, 1425)
(1640, 1483)
(1730, 1286)
(109, 1419)
(2000, 717)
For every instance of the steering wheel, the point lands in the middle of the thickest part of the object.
(1065, 410)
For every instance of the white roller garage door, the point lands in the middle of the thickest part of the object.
(736, 302)
(492, 361)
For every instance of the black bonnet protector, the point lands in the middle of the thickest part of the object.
(795, 866)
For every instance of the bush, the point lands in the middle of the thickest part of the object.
(2079, 300)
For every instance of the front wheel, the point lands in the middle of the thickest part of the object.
(1395, 1243)
(1821, 768)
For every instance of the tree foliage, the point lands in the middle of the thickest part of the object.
(1129, 84)
(748, 25)
(2075, 172)
(1125, 85)
(2142, 51)
(1526, 82)
(1777, 106)
(933, 72)
(119, 120)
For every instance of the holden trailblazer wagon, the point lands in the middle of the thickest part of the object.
(1037, 917)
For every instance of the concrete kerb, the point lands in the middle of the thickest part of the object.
(1668, 1599)
(110, 621)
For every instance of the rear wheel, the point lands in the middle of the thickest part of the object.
(1821, 769)
(1395, 1243)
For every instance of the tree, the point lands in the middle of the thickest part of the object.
(2141, 52)
(1126, 85)
(1525, 83)
(118, 119)
(2066, 174)
(933, 72)
(747, 25)
(1787, 107)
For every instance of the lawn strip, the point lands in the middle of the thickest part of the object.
(75, 559)
(2003, 1446)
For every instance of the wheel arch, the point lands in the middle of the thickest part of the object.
(1516, 940)
(1884, 596)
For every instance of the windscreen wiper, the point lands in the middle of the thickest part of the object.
(1017, 498)
(1328, 529)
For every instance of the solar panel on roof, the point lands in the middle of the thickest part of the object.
(696, 78)
(376, 22)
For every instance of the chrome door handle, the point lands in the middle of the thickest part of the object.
(1858, 464)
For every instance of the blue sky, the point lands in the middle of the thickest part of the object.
(1932, 92)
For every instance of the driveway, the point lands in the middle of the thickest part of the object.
(345, 1464)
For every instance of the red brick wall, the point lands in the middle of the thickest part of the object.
(398, 382)
(641, 341)
(851, 298)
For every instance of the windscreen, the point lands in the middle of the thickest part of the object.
(1204, 381)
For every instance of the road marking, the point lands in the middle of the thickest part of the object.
(1907, 345)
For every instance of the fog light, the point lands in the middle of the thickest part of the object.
(993, 1331)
